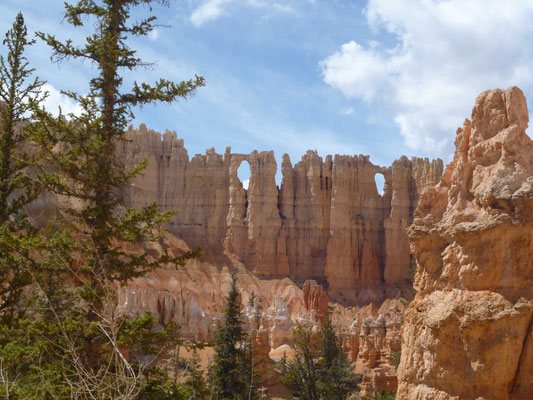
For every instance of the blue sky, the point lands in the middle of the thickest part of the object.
(378, 77)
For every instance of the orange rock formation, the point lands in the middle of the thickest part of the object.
(327, 222)
(193, 297)
(468, 333)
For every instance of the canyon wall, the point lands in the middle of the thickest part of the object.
(193, 297)
(468, 334)
(326, 222)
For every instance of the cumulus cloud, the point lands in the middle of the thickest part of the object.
(347, 111)
(56, 100)
(355, 71)
(445, 53)
(211, 10)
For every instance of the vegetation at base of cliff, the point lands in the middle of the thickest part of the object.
(381, 395)
(396, 357)
(234, 373)
(320, 369)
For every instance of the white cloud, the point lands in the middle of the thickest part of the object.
(355, 71)
(208, 11)
(154, 35)
(211, 10)
(347, 111)
(446, 52)
(55, 100)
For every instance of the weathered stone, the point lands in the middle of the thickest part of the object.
(316, 301)
(468, 333)
(327, 222)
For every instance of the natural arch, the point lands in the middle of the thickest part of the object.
(379, 179)
(244, 173)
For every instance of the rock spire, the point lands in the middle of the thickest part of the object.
(468, 333)
(326, 222)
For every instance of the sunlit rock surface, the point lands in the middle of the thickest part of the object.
(468, 332)
(326, 222)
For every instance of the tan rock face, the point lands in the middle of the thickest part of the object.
(468, 333)
(193, 297)
(373, 339)
(327, 222)
(316, 301)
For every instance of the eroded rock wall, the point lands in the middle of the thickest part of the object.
(326, 222)
(468, 333)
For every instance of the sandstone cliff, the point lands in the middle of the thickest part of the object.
(326, 222)
(468, 333)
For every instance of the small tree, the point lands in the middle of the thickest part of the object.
(337, 378)
(232, 373)
(381, 395)
(320, 369)
(196, 385)
(302, 373)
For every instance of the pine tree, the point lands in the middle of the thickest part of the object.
(19, 93)
(225, 370)
(81, 347)
(232, 375)
(337, 378)
(320, 368)
(251, 370)
(87, 163)
(196, 384)
(302, 373)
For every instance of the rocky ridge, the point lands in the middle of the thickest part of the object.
(327, 221)
(468, 333)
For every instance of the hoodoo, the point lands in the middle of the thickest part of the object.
(326, 222)
(468, 333)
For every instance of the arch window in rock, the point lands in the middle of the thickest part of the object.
(244, 173)
(379, 179)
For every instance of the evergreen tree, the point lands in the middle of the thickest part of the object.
(232, 375)
(320, 368)
(77, 345)
(250, 370)
(87, 163)
(19, 93)
(302, 373)
(337, 379)
(196, 384)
